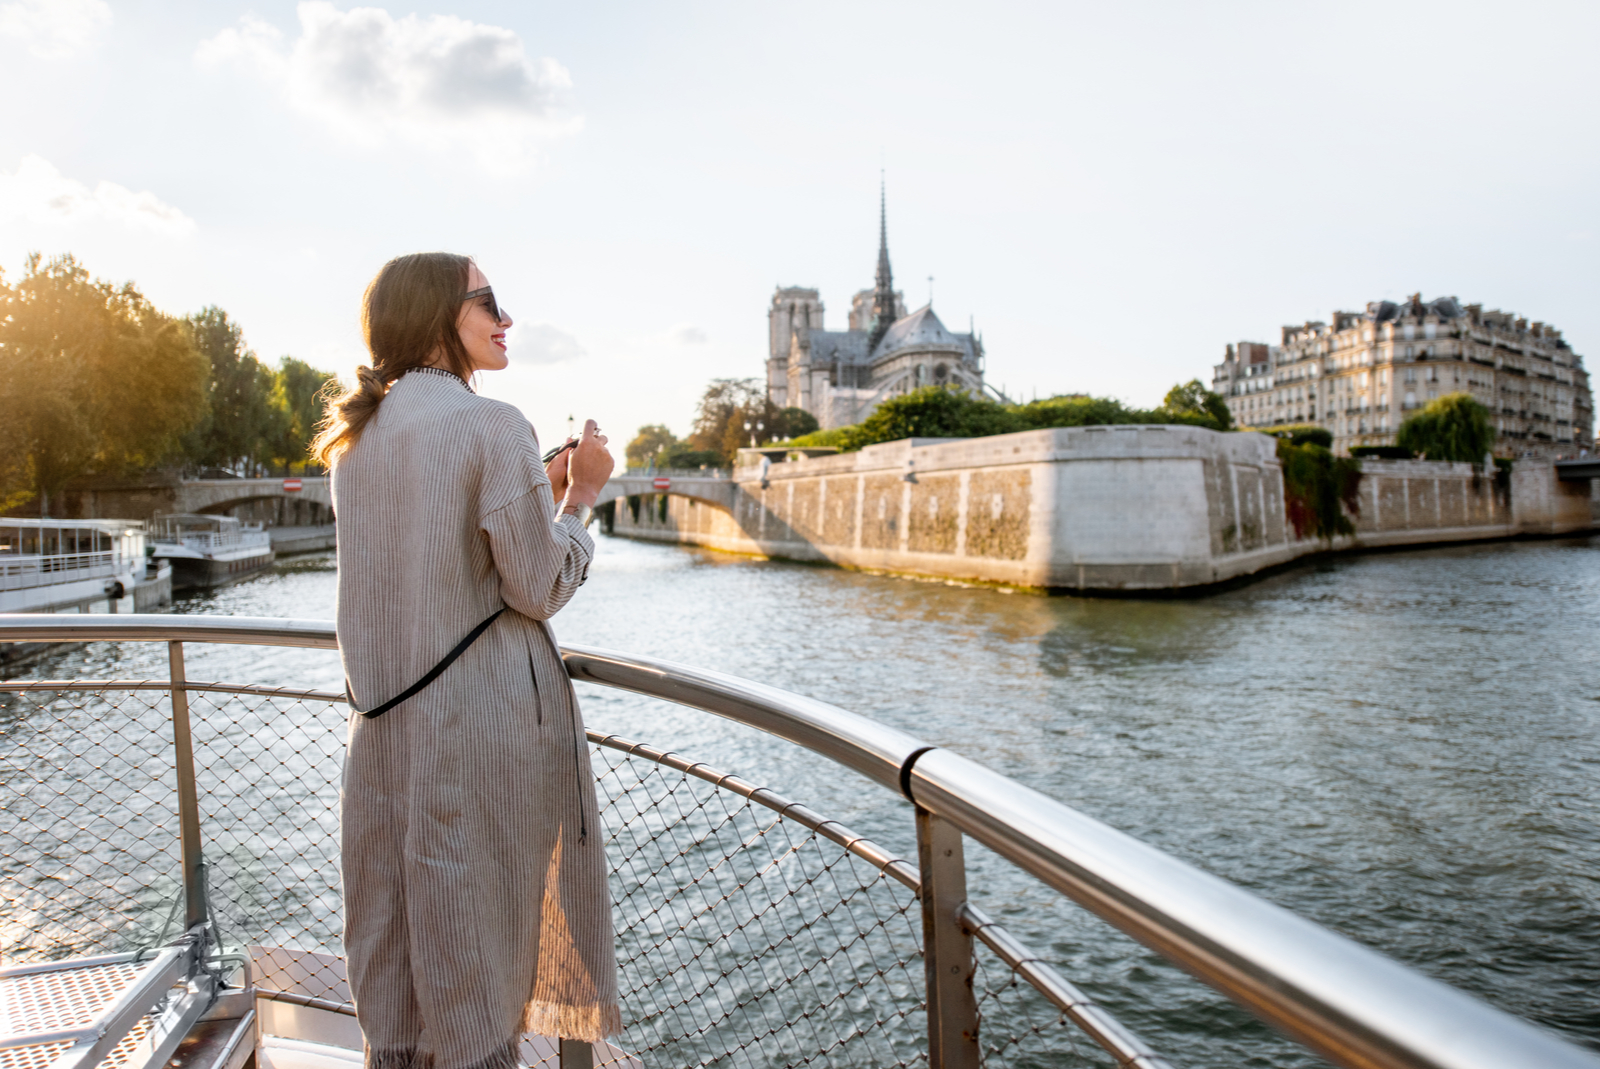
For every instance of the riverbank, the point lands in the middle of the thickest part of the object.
(1126, 509)
(287, 541)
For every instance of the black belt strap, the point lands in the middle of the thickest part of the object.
(433, 673)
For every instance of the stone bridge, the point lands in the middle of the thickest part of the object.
(226, 495)
(716, 489)
(308, 501)
(235, 495)
(277, 502)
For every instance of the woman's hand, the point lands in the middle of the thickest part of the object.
(557, 470)
(588, 466)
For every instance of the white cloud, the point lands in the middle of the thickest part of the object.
(686, 334)
(38, 192)
(55, 29)
(440, 82)
(541, 343)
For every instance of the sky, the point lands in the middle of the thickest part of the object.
(1111, 193)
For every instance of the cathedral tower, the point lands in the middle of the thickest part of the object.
(883, 302)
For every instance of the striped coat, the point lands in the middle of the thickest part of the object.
(476, 905)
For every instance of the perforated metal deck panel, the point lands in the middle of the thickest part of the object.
(37, 1007)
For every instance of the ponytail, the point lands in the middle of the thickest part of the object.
(346, 414)
(409, 315)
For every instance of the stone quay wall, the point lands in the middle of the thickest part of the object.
(1086, 508)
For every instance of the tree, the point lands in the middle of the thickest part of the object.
(241, 423)
(652, 439)
(952, 412)
(93, 380)
(1079, 410)
(936, 412)
(1191, 402)
(720, 417)
(788, 423)
(1455, 427)
(299, 393)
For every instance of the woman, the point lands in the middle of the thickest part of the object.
(476, 906)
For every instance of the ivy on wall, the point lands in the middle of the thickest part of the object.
(1320, 490)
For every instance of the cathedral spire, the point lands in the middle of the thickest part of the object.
(883, 308)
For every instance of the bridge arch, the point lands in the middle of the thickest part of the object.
(281, 510)
(693, 501)
(611, 492)
(267, 500)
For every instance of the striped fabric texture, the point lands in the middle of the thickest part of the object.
(476, 905)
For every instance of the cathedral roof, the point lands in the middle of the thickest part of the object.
(921, 330)
(846, 346)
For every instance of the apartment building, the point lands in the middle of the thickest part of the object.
(1362, 374)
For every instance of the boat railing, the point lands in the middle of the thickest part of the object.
(144, 813)
(17, 572)
(209, 541)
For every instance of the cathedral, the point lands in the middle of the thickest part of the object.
(840, 376)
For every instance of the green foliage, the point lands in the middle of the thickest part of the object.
(835, 437)
(653, 438)
(1455, 427)
(1191, 401)
(655, 444)
(951, 412)
(1320, 489)
(240, 422)
(684, 455)
(93, 380)
(720, 430)
(724, 409)
(789, 423)
(299, 394)
(1079, 410)
(255, 418)
(935, 412)
(1300, 433)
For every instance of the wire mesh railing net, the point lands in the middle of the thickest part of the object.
(1018, 1028)
(747, 939)
(744, 938)
(89, 855)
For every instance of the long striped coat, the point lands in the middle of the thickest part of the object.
(476, 905)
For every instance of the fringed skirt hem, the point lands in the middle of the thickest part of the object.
(591, 1023)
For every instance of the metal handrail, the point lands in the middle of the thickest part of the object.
(1351, 1005)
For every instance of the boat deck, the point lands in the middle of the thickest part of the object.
(53, 1016)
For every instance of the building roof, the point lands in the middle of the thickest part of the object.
(921, 330)
(1443, 307)
(846, 346)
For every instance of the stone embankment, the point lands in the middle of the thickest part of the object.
(1087, 508)
(290, 540)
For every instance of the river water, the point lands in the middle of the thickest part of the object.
(1399, 746)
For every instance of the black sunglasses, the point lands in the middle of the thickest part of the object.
(494, 306)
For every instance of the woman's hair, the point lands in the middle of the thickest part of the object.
(410, 309)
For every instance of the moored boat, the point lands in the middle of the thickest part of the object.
(209, 551)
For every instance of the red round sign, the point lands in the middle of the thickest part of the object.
(662, 482)
(291, 484)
